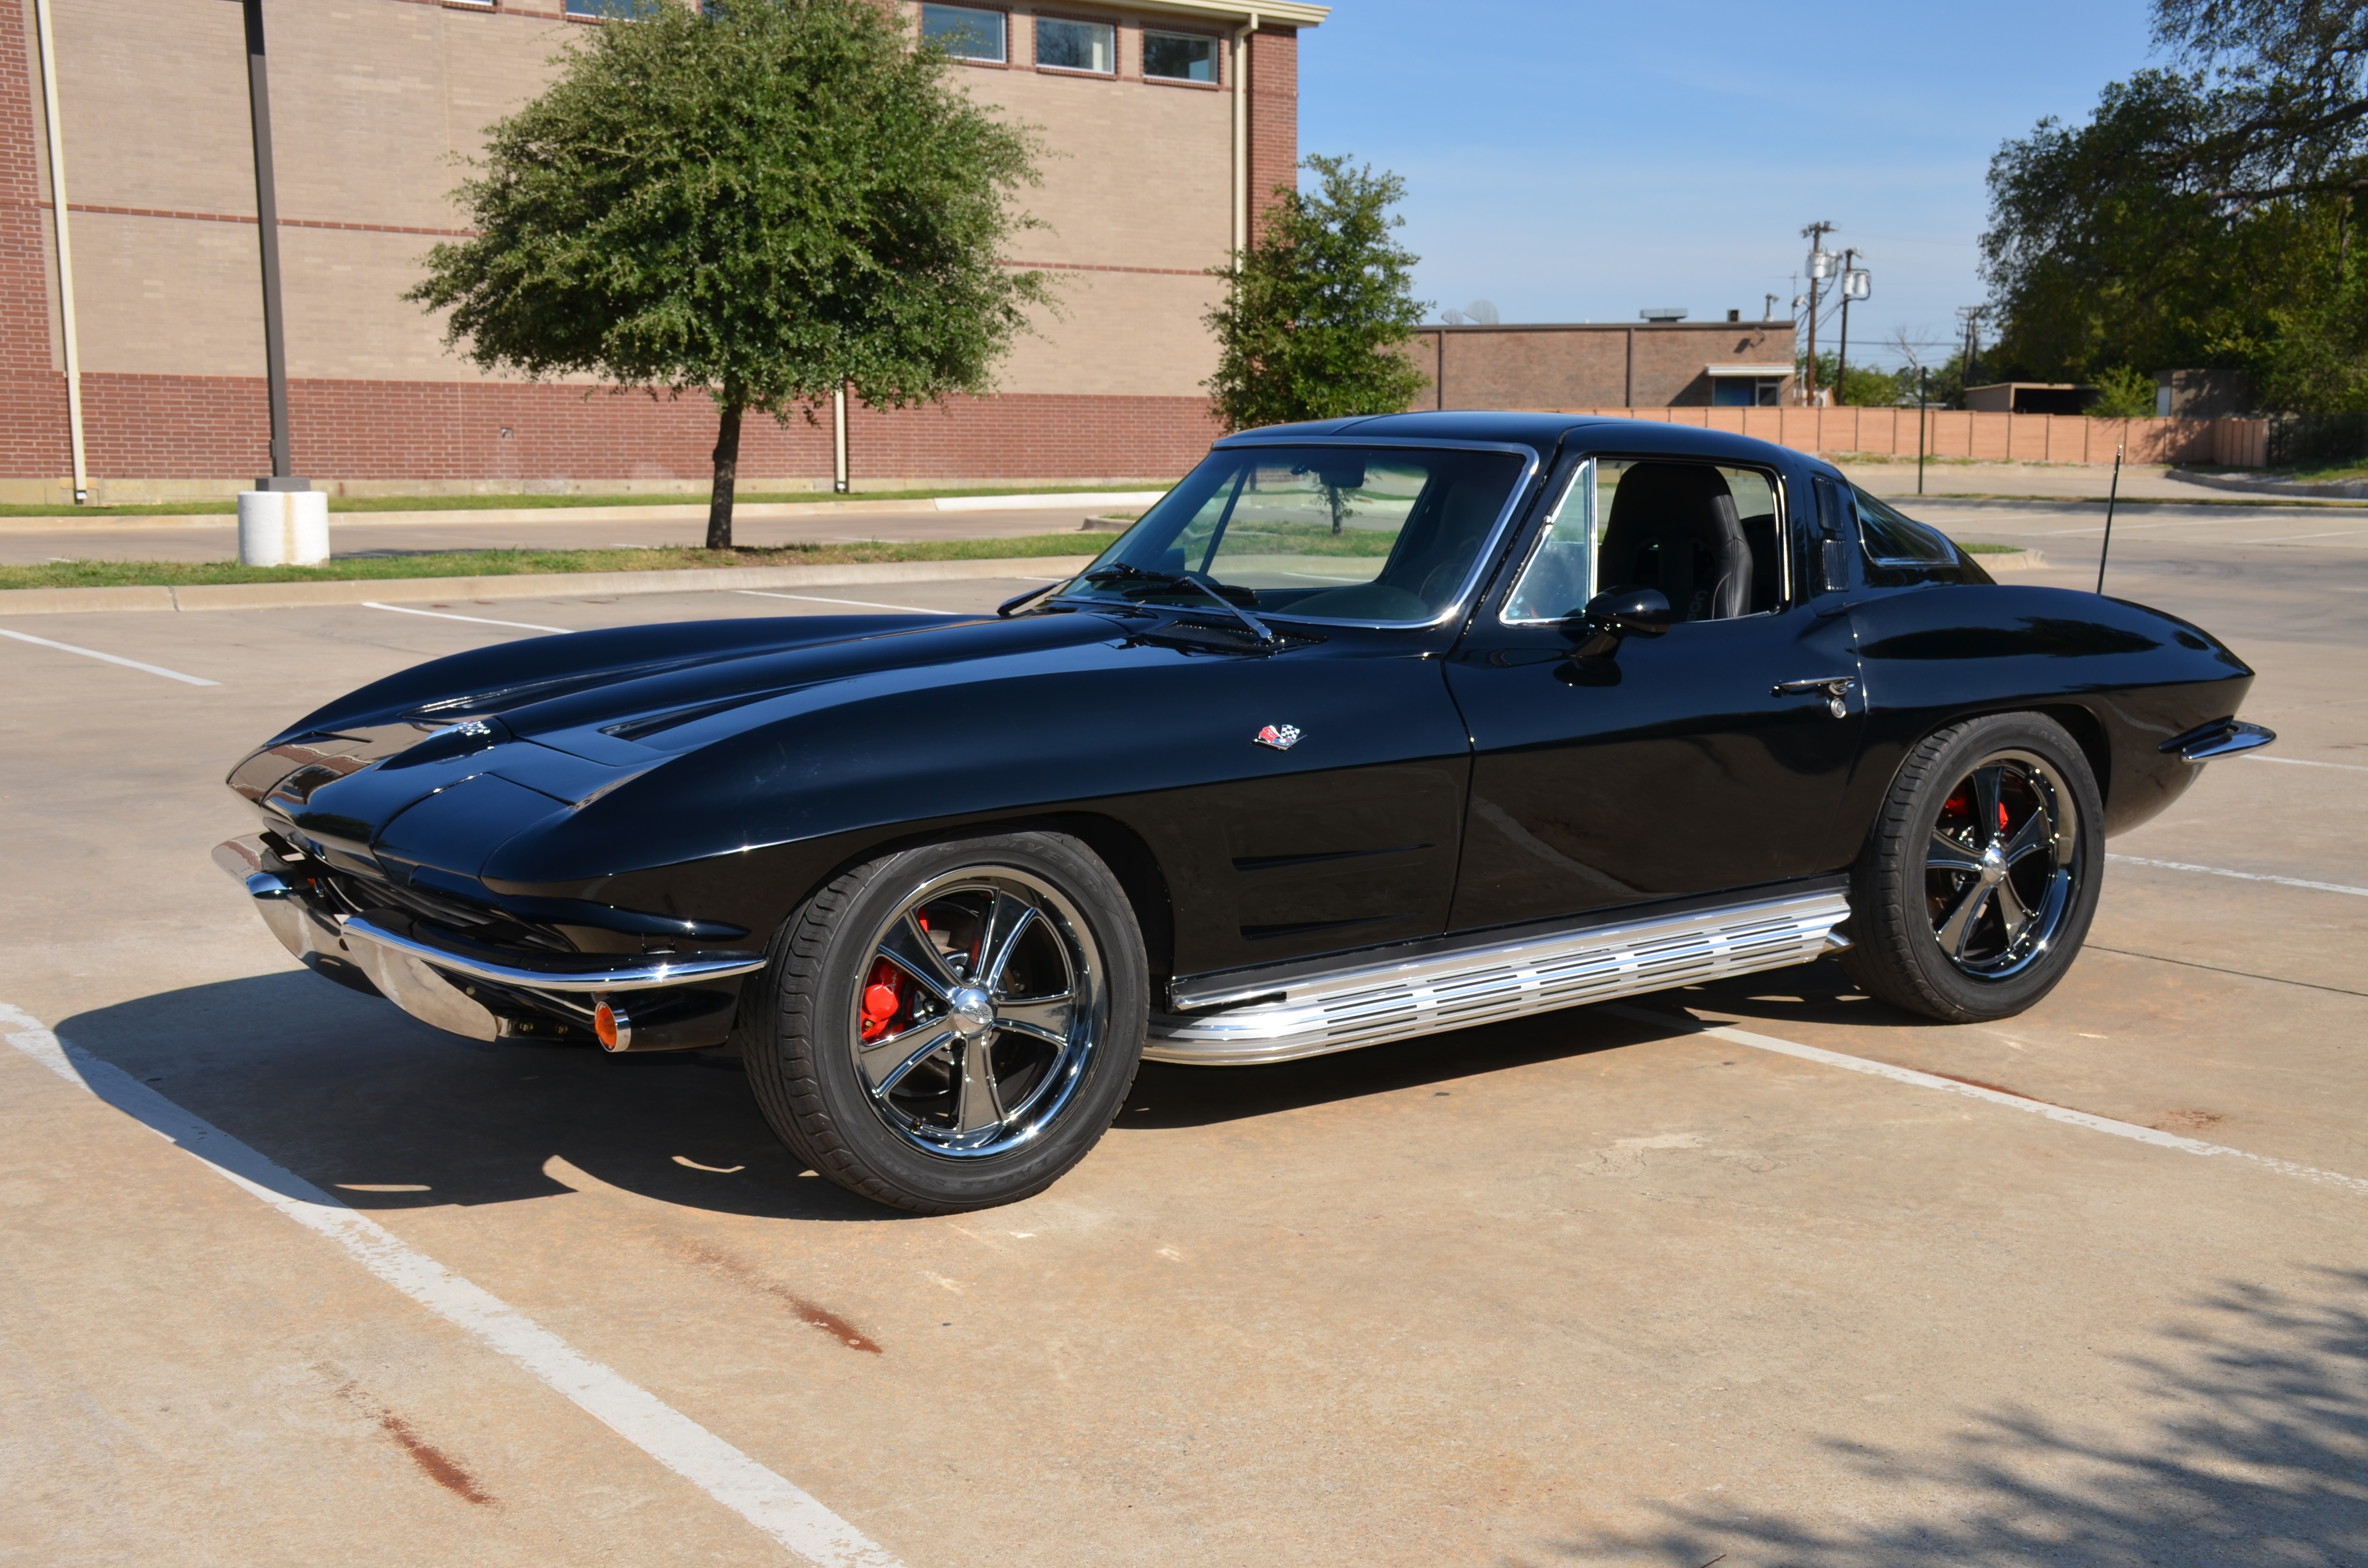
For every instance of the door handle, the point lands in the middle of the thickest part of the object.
(1835, 690)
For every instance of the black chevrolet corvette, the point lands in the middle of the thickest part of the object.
(1369, 729)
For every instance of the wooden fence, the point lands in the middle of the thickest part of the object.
(2002, 437)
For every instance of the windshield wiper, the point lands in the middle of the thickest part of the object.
(1122, 572)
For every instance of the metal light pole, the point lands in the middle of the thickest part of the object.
(283, 521)
(266, 220)
(1923, 379)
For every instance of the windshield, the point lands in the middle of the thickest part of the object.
(1329, 533)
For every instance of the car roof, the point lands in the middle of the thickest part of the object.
(1542, 431)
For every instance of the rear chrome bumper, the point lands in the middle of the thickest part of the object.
(2222, 737)
(430, 982)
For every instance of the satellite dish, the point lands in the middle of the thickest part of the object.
(1453, 318)
(1483, 312)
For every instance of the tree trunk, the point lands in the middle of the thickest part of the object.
(727, 474)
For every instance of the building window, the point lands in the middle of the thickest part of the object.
(1076, 46)
(1744, 391)
(966, 32)
(1180, 57)
(609, 10)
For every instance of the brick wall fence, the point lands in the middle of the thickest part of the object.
(1953, 433)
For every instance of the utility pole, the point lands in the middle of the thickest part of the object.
(1971, 315)
(1821, 266)
(1856, 285)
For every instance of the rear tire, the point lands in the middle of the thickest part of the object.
(952, 1026)
(1979, 879)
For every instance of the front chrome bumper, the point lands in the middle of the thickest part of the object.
(430, 982)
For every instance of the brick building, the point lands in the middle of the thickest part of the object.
(1656, 363)
(1158, 155)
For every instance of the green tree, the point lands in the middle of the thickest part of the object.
(767, 202)
(2123, 393)
(2202, 215)
(1864, 386)
(1319, 312)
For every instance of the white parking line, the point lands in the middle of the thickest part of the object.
(2129, 1130)
(110, 658)
(782, 1511)
(860, 603)
(2303, 762)
(446, 615)
(2240, 876)
(2289, 539)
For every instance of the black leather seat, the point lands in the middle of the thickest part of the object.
(1674, 527)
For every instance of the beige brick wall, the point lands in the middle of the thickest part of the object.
(371, 101)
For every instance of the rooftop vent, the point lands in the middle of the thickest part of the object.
(1663, 312)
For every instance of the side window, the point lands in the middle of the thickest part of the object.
(1559, 578)
(1709, 537)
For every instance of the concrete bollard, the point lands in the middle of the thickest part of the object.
(283, 528)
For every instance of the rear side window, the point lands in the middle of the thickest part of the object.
(1894, 539)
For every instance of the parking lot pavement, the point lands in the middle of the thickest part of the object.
(366, 533)
(1595, 1287)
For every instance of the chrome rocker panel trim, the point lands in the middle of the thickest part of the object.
(1374, 1004)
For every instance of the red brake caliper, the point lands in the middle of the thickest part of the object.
(883, 998)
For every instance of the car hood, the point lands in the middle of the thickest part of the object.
(438, 764)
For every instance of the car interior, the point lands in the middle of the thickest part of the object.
(1705, 537)
(1676, 527)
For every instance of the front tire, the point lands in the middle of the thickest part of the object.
(952, 1026)
(1979, 879)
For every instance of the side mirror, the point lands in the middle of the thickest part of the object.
(1608, 617)
(1629, 611)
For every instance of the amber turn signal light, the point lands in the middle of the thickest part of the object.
(614, 1030)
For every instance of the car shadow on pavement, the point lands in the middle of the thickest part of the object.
(387, 1113)
(2241, 1438)
(1168, 1094)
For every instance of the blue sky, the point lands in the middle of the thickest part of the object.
(1579, 162)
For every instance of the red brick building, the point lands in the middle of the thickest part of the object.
(1167, 118)
(1655, 363)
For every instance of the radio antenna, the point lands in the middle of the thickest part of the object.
(2111, 497)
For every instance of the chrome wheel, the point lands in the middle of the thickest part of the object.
(2002, 865)
(979, 1012)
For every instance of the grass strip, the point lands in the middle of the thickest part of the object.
(1977, 547)
(226, 507)
(514, 563)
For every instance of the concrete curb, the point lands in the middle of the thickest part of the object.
(2008, 565)
(535, 585)
(2333, 490)
(750, 512)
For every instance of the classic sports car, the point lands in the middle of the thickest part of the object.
(1369, 729)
